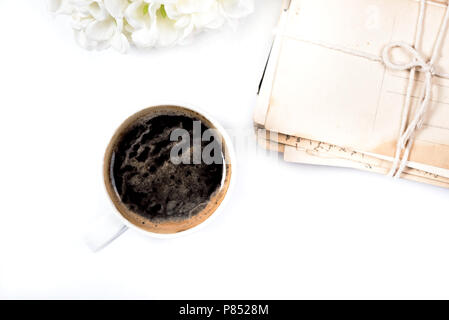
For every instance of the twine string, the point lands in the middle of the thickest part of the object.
(418, 63)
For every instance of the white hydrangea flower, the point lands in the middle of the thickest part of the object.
(101, 24)
(98, 24)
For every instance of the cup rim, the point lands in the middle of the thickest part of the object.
(230, 153)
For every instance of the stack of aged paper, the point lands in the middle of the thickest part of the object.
(329, 107)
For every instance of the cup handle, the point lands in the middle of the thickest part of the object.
(103, 230)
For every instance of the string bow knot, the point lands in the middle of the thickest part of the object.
(418, 63)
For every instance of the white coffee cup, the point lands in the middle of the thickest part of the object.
(110, 226)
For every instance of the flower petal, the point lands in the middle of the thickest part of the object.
(97, 10)
(236, 9)
(144, 38)
(101, 30)
(120, 43)
(137, 14)
(116, 8)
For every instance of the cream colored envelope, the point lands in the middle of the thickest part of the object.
(313, 90)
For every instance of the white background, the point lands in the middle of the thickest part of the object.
(290, 231)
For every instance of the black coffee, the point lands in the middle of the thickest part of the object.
(149, 183)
